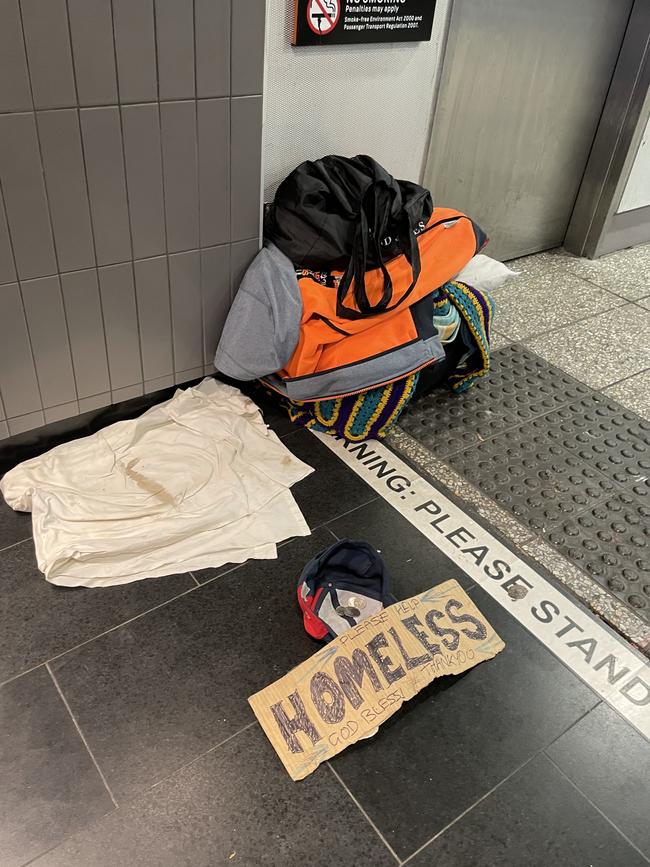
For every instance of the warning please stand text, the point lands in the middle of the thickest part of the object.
(483, 558)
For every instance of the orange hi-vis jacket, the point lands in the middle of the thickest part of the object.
(330, 342)
(288, 327)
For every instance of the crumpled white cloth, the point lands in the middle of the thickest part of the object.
(195, 482)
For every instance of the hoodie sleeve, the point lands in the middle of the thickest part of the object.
(263, 325)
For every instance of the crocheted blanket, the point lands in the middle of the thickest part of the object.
(371, 414)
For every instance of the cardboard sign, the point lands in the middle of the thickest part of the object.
(359, 680)
(345, 22)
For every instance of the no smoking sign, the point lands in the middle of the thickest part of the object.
(346, 22)
(323, 15)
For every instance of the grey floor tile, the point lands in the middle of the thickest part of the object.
(633, 393)
(541, 553)
(155, 693)
(610, 762)
(539, 264)
(644, 302)
(50, 786)
(39, 620)
(535, 819)
(626, 273)
(332, 489)
(14, 526)
(460, 736)
(602, 349)
(275, 416)
(534, 303)
(498, 341)
(202, 576)
(236, 805)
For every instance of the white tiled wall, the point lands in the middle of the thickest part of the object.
(130, 151)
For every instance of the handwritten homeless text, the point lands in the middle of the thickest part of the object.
(356, 682)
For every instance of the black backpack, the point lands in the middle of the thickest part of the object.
(351, 215)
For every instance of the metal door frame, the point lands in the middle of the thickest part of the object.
(595, 228)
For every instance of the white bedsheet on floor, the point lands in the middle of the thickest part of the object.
(195, 482)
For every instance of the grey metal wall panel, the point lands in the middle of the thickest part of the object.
(212, 33)
(213, 123)
(21, 176)
(49, 338)
(178, 128)
(175, 40)
(185, 284)
(152, 291)
(86, 329)
(120, 324)
(91, 27)
(65, 181)
(135, 47)
(48, 53)
(215, 296)
(247, 46)
(241, 255)
(7, 270)
(14, 82)
(245, 160)
(102, 138)
(18, 382)
(141, 129)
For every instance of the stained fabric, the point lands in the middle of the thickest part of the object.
(195, 482)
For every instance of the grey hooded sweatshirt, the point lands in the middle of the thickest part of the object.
(262, 331)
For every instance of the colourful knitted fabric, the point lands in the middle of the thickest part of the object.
(369, 415)
(476, 309)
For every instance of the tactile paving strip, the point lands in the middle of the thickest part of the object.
(611, 438)
(446, 423)
(535, 479)
(520, 386)
(612, 543)
(565, 461)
